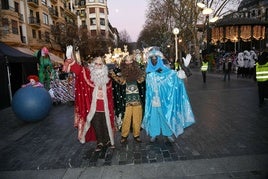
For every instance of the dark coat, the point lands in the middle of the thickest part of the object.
(263, 58)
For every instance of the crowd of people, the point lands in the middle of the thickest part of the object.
(246, 64)
(132, 95)
(242, 63)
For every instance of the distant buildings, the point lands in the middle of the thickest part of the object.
(29, 23)
(245, 29)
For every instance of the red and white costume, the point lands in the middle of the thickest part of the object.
(88, 100)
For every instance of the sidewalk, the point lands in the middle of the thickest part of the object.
(228, 167)
(228, 140)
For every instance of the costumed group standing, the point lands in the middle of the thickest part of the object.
(167, 110)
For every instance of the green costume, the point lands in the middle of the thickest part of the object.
(46, 70)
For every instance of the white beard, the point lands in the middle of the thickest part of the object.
(99, 76)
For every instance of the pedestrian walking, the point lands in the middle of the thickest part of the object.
(204, 69)
(227, 68)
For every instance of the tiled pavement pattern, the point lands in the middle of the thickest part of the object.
(229, 124)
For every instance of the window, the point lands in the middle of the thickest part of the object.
(92, 10)
(5, 26)
(92, 21)
(102, 21)
(17, 7)
(101, 10)
(253, 14)
(103, 32)
(31, 13)
(248, 14)
(83, 13)
(83, 25)
(5, 22)
(47, 36)
(39, 34)
(34, 33)
(5, 4)
(45, 18)
(101, 1)
(93, 32)
(15, 29)
(44, 2)
(91, 0)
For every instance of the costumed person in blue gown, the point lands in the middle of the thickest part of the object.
(167, 106)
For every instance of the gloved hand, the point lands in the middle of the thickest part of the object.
(187, 60)
(69, 51)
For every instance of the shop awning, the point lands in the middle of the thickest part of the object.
(25, 50)
(54, 58)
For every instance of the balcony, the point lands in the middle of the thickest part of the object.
(10, 11)
(33, 21)
(82, 4)
(83, 15)
(33, 3)
(53, 12)
(21, 17)
(23, 39)
(5, 31)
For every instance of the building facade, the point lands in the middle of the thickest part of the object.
(93, 15)
(245, 29)
(29, 23)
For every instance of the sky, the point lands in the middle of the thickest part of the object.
(127, 15)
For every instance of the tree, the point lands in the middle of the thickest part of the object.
(80, 38)
(163, 15)
(64, 34)
(156, 31)
(124, 39)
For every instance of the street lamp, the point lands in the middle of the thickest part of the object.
(207, 11)
(176, 32)
(180, 56)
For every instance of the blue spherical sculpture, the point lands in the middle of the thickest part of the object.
(31, 103)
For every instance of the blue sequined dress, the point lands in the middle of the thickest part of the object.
(167, 107)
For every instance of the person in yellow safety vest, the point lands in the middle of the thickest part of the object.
(262, 77)
(204, 69)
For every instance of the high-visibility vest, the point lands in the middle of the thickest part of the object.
(262, 72)
(177, 66)
(204, 66)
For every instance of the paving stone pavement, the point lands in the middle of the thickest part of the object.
(228, 140)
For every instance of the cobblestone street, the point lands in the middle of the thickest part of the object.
(228, 123)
